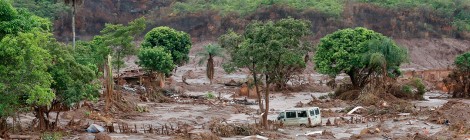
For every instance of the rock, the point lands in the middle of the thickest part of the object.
(102, 136)
(87, 137)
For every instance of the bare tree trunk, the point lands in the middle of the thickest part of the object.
(266, 111)
(255, 78)
(73, 24)
(109, 83)
(210, 69)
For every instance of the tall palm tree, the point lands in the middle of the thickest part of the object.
(208, 53)
(74, 4)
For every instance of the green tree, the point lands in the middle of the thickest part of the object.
(207, 55)
(351, 51)
(178, 43)
(272, 50)
(71, 82)
(50, 9)
(459, 79)
(121, 39)
(23, 66)
(92, 53)
(13, 21)
(156, 60)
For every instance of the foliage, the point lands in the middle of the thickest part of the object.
(43, 8)
(246, 7)
(384, 52)
(73, 81)
(178, 43)
(207, 54)
(13, 21)
(418, 83)
(459, 10)
(459, 80)
(275, 50)
(209, 95)
(92, 53)
(462, 62)
(24, 70)
(121, 38)
(407, 89)
(51, 136)
(358, 52)
(156, 60)
(230, 40)
(37, 71)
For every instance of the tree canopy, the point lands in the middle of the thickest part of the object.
(178, 43)
(156, 60)
(37, 71)
(120, 39)
(274, 50)
(357, 52)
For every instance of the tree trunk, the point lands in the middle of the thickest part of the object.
(56, 119)
(210, 69)
(255, 79)
(73, 24)
(118, 87)
(43, 121)
(266, 111)
(109, 83)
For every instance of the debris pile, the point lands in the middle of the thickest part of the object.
(224, 129)
(455, 114)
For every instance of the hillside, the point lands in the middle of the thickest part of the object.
(436, 29)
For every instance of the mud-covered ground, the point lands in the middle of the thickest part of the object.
(185, 117)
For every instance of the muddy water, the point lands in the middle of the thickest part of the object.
(437, 102)
(198, 115)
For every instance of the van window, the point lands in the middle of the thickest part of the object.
(312, 113)
(317, 111)
(302, 114)
(290, 115)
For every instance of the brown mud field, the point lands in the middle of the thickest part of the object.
(194, 109)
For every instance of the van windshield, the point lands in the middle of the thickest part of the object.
(282, 115)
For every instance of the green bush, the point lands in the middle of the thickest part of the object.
(209, 95)
(51, 136)
(420, 86)
(407, 89)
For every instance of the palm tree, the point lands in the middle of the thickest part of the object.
(74, 4)
(210, 51)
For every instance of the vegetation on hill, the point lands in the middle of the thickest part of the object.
(246, 7)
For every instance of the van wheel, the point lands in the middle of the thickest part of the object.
(303, 125)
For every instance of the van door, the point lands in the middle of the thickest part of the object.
(317, 116)
(302, 117)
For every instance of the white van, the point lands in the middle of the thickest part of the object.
(301, 117)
